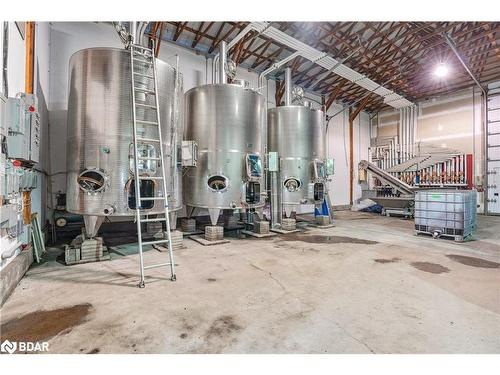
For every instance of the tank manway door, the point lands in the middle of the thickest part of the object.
(145, 113)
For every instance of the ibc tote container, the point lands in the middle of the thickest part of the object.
(449, 213)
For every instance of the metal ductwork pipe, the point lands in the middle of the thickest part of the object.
(222, 62)
(288, 86)
(133, 31)
(5, 58)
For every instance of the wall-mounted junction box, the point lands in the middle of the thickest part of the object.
(23, 125)
(189, 153)
(273, 162)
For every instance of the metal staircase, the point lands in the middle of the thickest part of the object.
(144, 83)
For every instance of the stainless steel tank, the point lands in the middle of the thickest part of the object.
(297, 134)
(226, 121)
(100, 136)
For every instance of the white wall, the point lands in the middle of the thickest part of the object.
(338, 149)
(15, 62)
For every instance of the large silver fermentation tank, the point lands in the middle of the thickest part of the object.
(226, 121)
(297, 134)
(100, 162)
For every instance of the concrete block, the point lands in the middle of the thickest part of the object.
(188, 225)
(261, 227)
(214, 232)
(91, 249)
(176, 237)
(12, 273)
(71, 254)
(322, 220)
(288, 224)
(154, 228)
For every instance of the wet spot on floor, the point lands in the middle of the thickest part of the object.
(183, 335)
(430, 267)
(384, 261)
(211, 279)
(222, 326)
(43, 324)
(94, 351)
(473, 262)
(315, 238)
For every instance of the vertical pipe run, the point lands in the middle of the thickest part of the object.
(5, 59)
(222, 62)
(288, 86)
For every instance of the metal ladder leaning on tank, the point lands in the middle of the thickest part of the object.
(144, 57)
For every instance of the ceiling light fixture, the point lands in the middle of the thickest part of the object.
(441, 70)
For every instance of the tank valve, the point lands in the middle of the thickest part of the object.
(233, 205)
(109, 210)
(436, 234)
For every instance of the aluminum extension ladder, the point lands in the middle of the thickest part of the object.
(144, 58)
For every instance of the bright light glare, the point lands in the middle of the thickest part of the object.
(441, 71)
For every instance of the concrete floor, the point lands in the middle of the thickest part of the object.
(402, 294)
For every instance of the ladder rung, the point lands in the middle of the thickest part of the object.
(140, 139)
(153, 199)
(145, 105)
(147, 122)
(144, 75)
(148, 158)
(157, 265)
(153, 242)
(150, 178)
(146, 91)
(153, 220)
(149, 62)
(138, 46)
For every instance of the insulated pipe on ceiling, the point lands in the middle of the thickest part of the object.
(288, 87)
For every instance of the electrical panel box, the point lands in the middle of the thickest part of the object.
(189, 153)
(3, 117)
(330, 167)
(23, 126)
(273, 162)
(34, 123)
